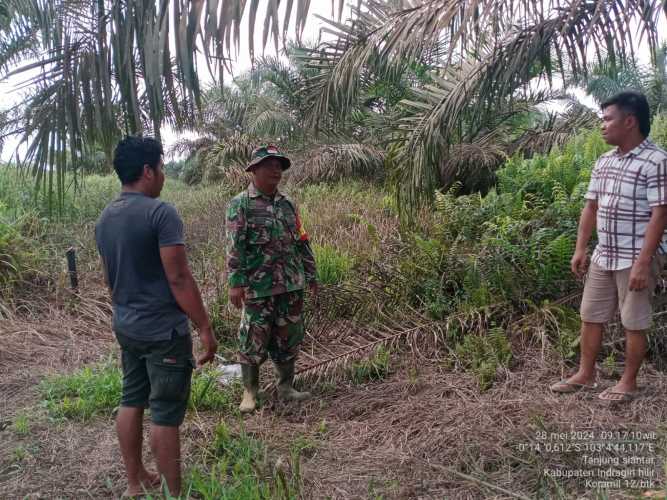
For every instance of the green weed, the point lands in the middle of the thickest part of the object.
(96, 390)
(20, 453)
(21, 425)
(333, 265)
(83, 394)
(609, 364)
(483, 355)
(303, 445)
(237, 466)
(376, 367)
(207, 395)
(225, 324)
(567, 336)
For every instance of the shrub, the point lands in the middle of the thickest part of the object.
(659, 130)
(512, 245)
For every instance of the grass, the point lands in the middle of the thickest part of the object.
(96, 390)
(376, 367)
(207, 395)
(333, 266)
(237, 466)
(81, 395)
(458, 260)
(21, 425)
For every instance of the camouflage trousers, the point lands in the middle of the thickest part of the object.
(272, 325)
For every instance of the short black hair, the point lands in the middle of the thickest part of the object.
(632, 103)
(132, 153)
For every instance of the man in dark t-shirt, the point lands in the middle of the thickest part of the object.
(140, 241)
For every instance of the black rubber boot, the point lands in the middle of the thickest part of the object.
(286, 391)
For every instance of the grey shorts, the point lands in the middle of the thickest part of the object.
(157, 375)
(605, 292)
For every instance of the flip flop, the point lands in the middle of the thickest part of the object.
(565, 387)
(617, 397)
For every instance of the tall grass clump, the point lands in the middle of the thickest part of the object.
(22, 253)
(96, 390)
(333, 266)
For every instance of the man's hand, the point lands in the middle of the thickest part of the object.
(579, 263)
(314, 289)
(237, 296)
(639, 275)
(210, 346)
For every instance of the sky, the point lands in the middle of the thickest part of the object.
(10, 96)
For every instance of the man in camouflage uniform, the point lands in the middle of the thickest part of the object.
(269, 263)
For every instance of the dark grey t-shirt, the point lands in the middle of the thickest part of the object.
(129, 234)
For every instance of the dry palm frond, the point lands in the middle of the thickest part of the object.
(225, 160)
(472, 163)
(331, 162)
(190, 147)
(555, 131)
(352, 342)
(339, 331)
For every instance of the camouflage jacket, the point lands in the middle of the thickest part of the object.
(267, 249)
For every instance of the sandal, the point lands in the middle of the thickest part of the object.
(616, 396)
(565, 387)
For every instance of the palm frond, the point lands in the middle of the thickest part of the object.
(190, 147)
(555, 130)
(112, 68)
(333, 162)
(473, 163)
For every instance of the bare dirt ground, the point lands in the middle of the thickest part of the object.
(423, 432)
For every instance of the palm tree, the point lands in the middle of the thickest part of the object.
(609, 77)
(266, 105)
(486, 59)
(99, 69)
(109, 67)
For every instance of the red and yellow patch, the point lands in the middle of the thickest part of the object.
(303, 235)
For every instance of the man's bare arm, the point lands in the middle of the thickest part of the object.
(105, 274)
(587, 223)
(186, 292)
(654, 234)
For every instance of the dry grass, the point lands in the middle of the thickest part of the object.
(436, 436)
(424, 431)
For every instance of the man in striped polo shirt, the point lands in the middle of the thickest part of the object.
(627, 203)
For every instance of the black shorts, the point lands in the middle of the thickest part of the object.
(157, 375)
